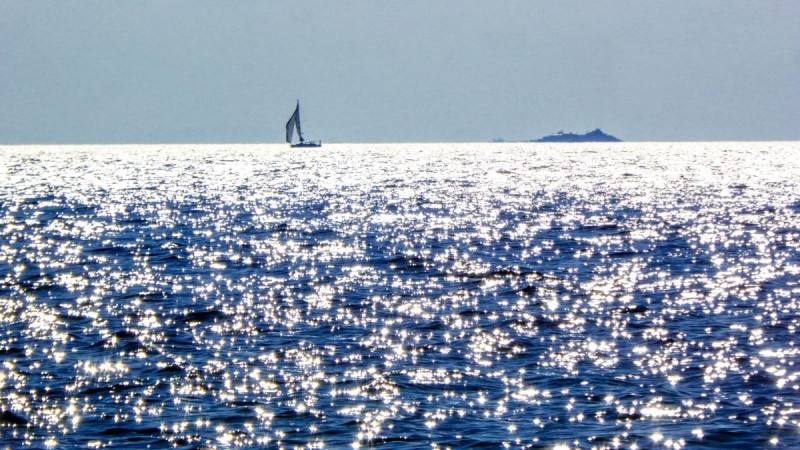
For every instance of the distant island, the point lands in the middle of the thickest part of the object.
(592, 136)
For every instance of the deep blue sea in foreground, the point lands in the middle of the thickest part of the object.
(632, 295)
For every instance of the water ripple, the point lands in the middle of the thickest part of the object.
(438, 295)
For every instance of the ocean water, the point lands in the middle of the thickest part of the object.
(634, 295)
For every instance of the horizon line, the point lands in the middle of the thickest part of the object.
(27, 144)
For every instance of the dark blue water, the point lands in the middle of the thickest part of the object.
(400, 296)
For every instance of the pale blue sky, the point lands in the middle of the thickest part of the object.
(379, 71)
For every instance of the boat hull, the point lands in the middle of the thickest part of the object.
(307, 144)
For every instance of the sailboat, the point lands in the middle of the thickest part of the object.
(294, 122)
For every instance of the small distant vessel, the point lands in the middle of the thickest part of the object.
(294, 122)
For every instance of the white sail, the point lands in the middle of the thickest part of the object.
(294, 122)
(297, 122)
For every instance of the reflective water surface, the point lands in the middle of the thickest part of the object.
(418, 296)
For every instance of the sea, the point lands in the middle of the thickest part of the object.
(420, 296)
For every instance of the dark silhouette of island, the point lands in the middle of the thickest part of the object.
(592, 136)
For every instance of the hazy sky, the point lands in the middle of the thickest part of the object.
(380, 71)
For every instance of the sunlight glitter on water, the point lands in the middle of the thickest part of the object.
(417, 295)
